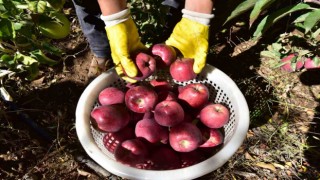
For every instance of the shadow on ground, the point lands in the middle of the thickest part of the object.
(312, 152)
(45, 119)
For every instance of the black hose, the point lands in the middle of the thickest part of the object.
(26, 119)
(49, 138)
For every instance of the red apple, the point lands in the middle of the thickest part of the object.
(150, 130)
(146, 65)
(185, 137)
(312, 63)
(191, 158)
(132, 152)
(196, 95)
(164, 54)
(111, 95)
(209, 151)
(214, 115)
(167, 95)
(141, 99)
(147, 164)
(161, 85)
(188, 117)
(110, 118)
(182, 69)
(291, 63)
(181, 88)
(212, 137)
(165, 158)
(135, 117)
(168, 113)
(113, 139)
(148, 115)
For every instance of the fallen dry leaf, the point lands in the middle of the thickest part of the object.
(304, 128)
(303, 169)
(310, 112)
(241, 149)
(278, 165)
(38, 82)
(83, 173)
(266, 166)
(250, 134)
(289, 164)
(288, 173)
(246, 174)
(248, 156)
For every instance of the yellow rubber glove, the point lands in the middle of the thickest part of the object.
(124, 40)
(191, 39)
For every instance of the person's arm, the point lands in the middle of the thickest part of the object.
(109, 7)
(123, 37)
(200, 6)
(190, 36)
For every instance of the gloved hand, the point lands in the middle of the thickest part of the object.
(124, 40)
(190, 36)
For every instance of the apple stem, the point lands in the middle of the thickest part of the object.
(218, 109)
(184, 143)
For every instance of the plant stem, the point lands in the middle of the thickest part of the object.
(6, 50)
(22, 6)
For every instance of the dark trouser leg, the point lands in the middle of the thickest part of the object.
(88, 13)
(175, 14)
(177, 4)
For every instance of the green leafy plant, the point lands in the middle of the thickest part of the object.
(299, 36)
(303, 41)
(27, 28)
(285, 45)
(263, 14)
(308, 25)
(150, 17)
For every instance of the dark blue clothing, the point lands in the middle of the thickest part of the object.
(173, 3)
(93, 28)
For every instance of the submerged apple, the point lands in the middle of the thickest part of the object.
(191, 158)
(112, 139)
(132, 152)
(164, 158)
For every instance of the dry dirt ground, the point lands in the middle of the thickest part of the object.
(38, 137)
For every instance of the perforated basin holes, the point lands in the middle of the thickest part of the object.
(217, 95)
